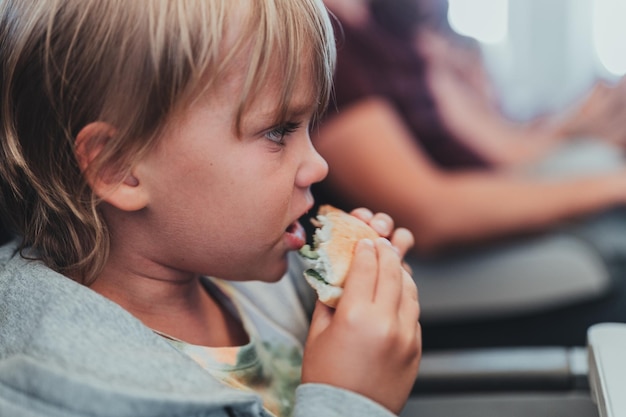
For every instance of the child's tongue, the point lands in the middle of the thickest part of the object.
(296, 236)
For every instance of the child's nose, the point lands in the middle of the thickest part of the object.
(314, 169)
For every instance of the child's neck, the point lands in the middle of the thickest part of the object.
(184, 310)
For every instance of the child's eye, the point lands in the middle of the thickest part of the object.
(278, 133)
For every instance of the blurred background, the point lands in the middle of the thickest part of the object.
(543, 55)
(542, 58)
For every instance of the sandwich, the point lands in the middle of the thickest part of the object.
(334, 241)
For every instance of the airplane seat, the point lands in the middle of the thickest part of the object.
(607, 368)
(571, 265)
(511, 280)
(539, 380)
(533, 381)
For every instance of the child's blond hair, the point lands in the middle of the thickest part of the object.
(131, 64)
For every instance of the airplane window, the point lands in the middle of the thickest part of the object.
(609, 33)
(544, 56)
(484, 20)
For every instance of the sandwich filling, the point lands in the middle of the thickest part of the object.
(316, 258)
(329, 258)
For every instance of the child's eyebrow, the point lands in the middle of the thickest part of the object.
(292, 111)
(301, 109)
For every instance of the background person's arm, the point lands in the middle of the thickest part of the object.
(374, 162)
(467, 104)
(475, 122)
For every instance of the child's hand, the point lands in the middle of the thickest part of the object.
(371, 343)
(402, 239)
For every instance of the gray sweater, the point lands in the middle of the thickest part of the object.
(66, 351)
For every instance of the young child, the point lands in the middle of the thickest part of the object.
(154, 160)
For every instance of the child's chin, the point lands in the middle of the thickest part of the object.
(275, 272)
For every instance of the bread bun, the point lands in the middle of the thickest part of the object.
(334, 241)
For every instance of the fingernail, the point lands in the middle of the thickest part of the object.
(365, 213)
(385, 241)
(367, 242)
(381, 226)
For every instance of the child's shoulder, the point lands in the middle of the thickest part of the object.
(49, 321)
(7, 250)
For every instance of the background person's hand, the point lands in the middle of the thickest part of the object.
(600, 115)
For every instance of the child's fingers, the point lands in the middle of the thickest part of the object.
(361, 280)
(403, 240)
(375, 323)
(322, 317)
(409, 305)
(382, 223)
(408, 316)
(363, 214)
(389, 285)
(409, 288)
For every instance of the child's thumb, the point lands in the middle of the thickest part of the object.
(322, 316)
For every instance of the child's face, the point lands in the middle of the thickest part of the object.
(226, 206)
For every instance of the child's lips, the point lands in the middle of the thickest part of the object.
(295, 236)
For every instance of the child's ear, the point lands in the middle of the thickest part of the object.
(124, 193)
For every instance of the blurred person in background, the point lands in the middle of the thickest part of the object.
(416, 131)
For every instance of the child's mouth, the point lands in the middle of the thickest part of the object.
(295, 236)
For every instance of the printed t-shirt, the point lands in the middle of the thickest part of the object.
(270, 364)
